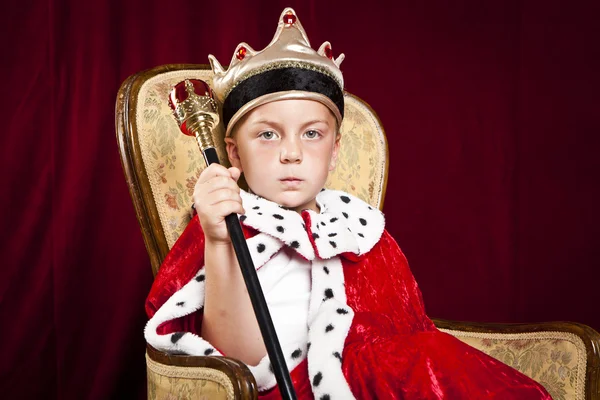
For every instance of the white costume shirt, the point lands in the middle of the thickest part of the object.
(285, 281)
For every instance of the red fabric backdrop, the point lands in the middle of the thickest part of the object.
(492, 116)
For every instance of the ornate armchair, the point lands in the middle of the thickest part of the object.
(161, 167)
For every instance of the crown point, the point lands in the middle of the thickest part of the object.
(328, 52)
(289, 18)
(215, 65)
(241, 53)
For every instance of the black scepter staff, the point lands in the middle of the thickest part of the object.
(196, 112)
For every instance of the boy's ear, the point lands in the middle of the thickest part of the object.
(335, 152)
(232, 152)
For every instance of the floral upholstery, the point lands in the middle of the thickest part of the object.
(173, 161)
(166, 382)
(557, 360)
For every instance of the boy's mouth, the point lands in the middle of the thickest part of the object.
(291, 181)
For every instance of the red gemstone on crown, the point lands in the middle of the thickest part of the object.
(241, 53)
(289, 18)
(328, 52)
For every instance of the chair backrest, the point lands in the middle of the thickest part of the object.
(162, 165)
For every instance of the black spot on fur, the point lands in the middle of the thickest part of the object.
(280, 229)
(333, 219)
(256, 208)
(294, 244)
(361, 235)
(200, 278)
(242, 218)
(315, 235)
(322, 223)
(345, 215)
(307, 346)
(296, 353)
(180, 304)
(208, 352)
(259, 213)
(317, 379)
(176, 336)
(278, 216)
(333, 244)
(260, 247)
(370, 208)
(332, 234)
(328, 328)
(342, 311)
(363, 221)
(345, 199)
(338, 356)
(328, 293)
(326, 270)
(325, 397)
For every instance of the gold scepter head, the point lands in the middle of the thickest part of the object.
(195, 110)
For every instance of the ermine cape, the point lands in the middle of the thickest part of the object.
(368, 334)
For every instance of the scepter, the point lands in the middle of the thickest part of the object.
(196, 112)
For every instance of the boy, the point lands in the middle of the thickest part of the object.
(344, 303)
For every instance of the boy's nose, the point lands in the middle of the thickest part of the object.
(291, 152)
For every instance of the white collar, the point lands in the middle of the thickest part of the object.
(346, 224)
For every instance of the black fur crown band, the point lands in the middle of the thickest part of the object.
(278, 81)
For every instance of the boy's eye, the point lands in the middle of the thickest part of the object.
(312, 134)
(268, 135)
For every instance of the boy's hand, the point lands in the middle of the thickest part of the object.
(216, 195)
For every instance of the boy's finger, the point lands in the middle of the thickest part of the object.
(227, 207)
(235, 173)
(219, 196)
(219, 183)
(213, 170)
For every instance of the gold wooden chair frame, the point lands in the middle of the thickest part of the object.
(161, 166)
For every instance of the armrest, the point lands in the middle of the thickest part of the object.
(197, 376)
(563, 356)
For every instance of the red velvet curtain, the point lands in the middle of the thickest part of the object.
(492, 115)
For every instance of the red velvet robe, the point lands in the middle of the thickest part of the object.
(392, 350)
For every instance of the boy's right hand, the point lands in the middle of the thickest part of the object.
(216, 195)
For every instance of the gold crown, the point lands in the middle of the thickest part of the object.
(289, 48)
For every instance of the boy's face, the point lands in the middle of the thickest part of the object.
(286, 149)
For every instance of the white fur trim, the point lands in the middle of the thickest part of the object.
(262, 248)
(345, 224)
(330, 319)
(283, 224)
(355, 219)
(183, 302)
